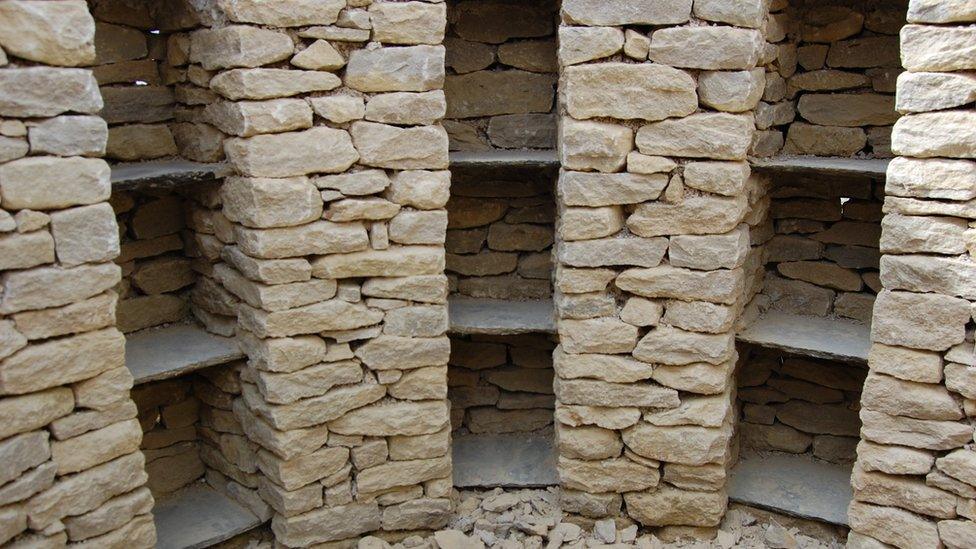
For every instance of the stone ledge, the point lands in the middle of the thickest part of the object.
(161, 353)
(199, 516)
(164, 174)
(814, 336)
(505, 158)
(794, 484)
(823, 165)
(500, 317)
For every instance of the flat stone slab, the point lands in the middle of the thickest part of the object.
(171, 351)
(793, 484)
(512, 460)
(867, 167)
(199, 516)
(500, 317)
(164, 174)
(501, 157)
(821, 337)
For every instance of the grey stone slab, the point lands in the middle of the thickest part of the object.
(171, 351)
(164, 174)
(512, 460)
(868, 167)
(504, 157)
(199, 516)
(793, 484)
(500, 317)
(821, 337)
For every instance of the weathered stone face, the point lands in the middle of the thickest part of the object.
(626, 91)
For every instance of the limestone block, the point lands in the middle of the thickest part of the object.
(425, 190)
(320, 237)
(893, 526)
(629, 91)
(402, 473)
(894, 460)
(62, 361)
(960, 464)
(487, 93)
(904, 363)
(932, 91)
(710, 252)
(408, 22)
(77, 494)
(588, 443)
(731, 91)
(319, 149)
(521, 131)
(936, 11)
(308, 319)
(709, 135)
(668, 345)
(395, 261)
(113, 514)
(285, 388)
(609, 475)
(388, 352)
(919, 273)
(418, 227)
(923, 321)
(294, 14)
(338, 108)
(53, 33)
(407, 108)
(394, 419)
(23, 452)
(46, 182)
(929, 234)
(948, 133)
(699, 316)
(418, 513)
(698, 446)
(530, 55)
(938, 49)
(247, 118)
(821, 273)
(698, 214)
(507, 237)
(607, 418)
(626, 12)
(95, 447)
(45, 91)
(589, 223)
(319, 56)
(867, 52)
(851, 110)
(711, 48)
(140, 142)
(238, 46)
(386, 146)
(275, 297)
(957, 533)
(584, 189)
(581, 44)
(22, 251)
(54, 286)
(827, 79)
(672, 506)
(85, 234)
(598, 335)
(594, 145)
(464, 56)
(592, 392)
(721, 286)
(741, 14)
(69, 136)
(265, 202)
(413, 68)
(917, 433)
(295, 473)
(271, 83)
(903, 492)
(805, 138)
(776, 437)
(724, 178)
(326, 524)
(705, 411)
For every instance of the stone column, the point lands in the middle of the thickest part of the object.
(70, 465)
(915, 477)
(337, 204)
(655, 202)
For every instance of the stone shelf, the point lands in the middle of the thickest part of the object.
(500, 317)
(199, 516)
(820, 337)
(510, 460)
(866, 167)
(793, 484)
(505, 159)
(162, 353)
(164, 174)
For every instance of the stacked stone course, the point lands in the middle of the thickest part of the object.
(69, 443)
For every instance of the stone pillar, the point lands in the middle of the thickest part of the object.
(70, 465)
(337, 205)
(655, 202)
(915, 477)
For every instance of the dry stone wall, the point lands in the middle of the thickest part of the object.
(501, 384)
(912, 481)
(70, 465)
(823, 256)
(654, 262)
(831, 92)
(501, 55)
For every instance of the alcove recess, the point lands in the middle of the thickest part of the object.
(823, 137)
(501, 100)
(178, 320)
